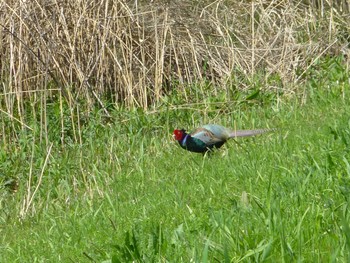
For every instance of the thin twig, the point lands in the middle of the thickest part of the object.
(14, 118)
(39, 181)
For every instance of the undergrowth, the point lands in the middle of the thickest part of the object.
(83, 185)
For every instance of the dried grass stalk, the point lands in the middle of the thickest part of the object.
(135, 51)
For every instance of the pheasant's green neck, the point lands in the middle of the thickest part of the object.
(193, 144)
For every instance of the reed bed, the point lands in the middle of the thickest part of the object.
(135, 52)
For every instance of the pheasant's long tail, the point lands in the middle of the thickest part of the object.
(246, 133)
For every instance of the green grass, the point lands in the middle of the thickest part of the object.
(128, 192)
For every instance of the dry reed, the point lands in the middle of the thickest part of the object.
(134, 52)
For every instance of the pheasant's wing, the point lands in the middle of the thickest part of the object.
(245, 133)
(218, 131)
(206, 136)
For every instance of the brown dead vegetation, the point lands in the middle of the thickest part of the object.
(136, 51)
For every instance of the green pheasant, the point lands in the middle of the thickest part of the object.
(210, 136)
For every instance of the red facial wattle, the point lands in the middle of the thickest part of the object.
(178, 134)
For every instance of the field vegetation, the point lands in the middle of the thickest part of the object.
(90, 92)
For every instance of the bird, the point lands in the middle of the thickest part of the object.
(210, 136)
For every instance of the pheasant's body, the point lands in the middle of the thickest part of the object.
(210, 136)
